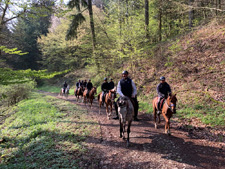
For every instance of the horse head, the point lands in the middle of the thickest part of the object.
(112, 95)
(93, 91)
(171, 101)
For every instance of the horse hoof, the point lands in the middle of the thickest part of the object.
(128, 144)
(155, 126)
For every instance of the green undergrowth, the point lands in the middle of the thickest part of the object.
(213, 115)
(45, 132)
(210, 114)
(54, 89)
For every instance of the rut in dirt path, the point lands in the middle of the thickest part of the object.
(149, 147)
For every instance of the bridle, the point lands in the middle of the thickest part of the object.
(111, 99)
(171, 106)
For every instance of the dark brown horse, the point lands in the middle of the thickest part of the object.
(109, 100)
(79, 92)
(168, 109)
(90, 97)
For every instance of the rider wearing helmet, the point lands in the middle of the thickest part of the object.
(89, 87)
(85, 83)
(111, 84)
(78, 84)
(163, 90)
(126, 87)
(105, 88)
(64, 87)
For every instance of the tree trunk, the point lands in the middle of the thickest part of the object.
(92, 23)
(160, 23)
(191, 14)
(147, 18)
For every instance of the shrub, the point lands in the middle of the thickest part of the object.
(12, 94)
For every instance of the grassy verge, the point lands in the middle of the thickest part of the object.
(210, 114)
(53, 89)
(45, 132)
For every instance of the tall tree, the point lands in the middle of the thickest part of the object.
(28, 29)
(79, 18)
(147, 18)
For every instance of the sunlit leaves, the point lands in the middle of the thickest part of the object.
(12, 51)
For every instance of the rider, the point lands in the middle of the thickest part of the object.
(85, 83)
(126, 87)
(111, 84)
(89, 87)
(64, 87)
(78, 84)
(82, 83)
(105, 88)
(163, 89)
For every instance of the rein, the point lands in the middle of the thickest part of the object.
(169, 107)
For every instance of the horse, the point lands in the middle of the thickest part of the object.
(126, 113)
(66, 91)
(168, 109)
(109, 100)
(90, 96)
(79, 92)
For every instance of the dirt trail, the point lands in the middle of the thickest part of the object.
(150, 147)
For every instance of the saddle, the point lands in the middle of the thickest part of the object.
(160, 104)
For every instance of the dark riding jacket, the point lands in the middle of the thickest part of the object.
(89, 86)
(126, 87)
(78, 84)
(163, 89)
(85, 84)
(65, 85)
(105, 86)
(111, 85)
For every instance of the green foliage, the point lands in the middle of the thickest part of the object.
(208, 114)
(13, 51)
(146, 107)
(12, 94)
(52, 89)
(9, 76)
(43, 133)
(27, 30)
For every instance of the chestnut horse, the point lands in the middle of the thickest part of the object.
(168, 109)
(79, 92)
(90, 96)
(109, 100)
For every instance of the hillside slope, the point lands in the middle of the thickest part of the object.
(194, 65)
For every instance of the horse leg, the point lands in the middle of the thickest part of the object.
(110, 109)
(168, 127)
(128, 133)
(154, 114)
(124, 126)
(107, 112)
(159, 120)
(121, 128)
(167, 122)
(99, 107)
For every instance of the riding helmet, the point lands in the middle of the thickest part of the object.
(105, 78)
(125, 72)
(162, 78)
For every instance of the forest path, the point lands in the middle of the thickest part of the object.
(149, 147)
